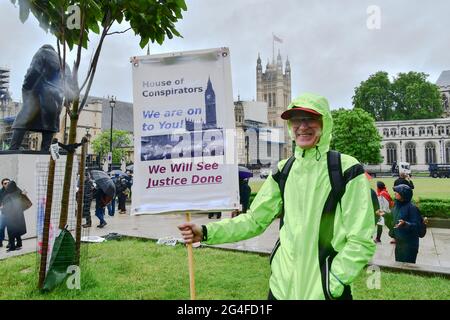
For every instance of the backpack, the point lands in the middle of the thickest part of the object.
(338, 181)
(422, 228)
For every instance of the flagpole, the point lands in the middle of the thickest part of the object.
(273, 48)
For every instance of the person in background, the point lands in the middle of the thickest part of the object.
(386, 203)
(87, 200)
(404, 179)
(112, 205)
(405, 226)
(100, 203)
(12, 210)
(5, 182)
(244, 197)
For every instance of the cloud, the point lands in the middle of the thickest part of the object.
(330, 48)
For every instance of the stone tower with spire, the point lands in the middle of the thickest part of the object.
(274, 87)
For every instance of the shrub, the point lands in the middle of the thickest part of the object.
(438, 208)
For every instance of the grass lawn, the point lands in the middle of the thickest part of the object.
(424, 187)
(137, 269)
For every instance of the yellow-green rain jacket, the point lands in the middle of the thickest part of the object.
(296, 273)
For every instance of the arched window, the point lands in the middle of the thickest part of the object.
(421, 131)
(441, 130)
(393, 132)
(403, 131)
(391, 153)
(386, 132)
(430, 153)
(430, 131)
(447, 152)
(411, 131)
(410, 148)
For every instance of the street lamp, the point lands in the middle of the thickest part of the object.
(112, 104)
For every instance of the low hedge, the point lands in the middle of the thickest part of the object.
(434, 208)
(429, 207)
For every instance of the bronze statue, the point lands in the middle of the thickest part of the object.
(43, 91)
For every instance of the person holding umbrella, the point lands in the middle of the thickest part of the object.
(104, 193)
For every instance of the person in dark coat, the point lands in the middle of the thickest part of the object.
(244, 197)
(100, 202)
(404, 179)
(404, 225)
(87, 200)
(13, 208)
(43, 91)
(5, 182)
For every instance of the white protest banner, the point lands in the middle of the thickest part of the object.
(184, 141)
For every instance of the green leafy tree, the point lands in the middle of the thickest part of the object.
(73, 21)
(355, 134)
(374, 96)
(409, 96)
(415, 97)
(120, 140)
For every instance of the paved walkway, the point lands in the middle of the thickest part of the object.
(434, 250)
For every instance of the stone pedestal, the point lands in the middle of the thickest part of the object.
(29, 170)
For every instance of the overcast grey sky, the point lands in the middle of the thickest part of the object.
(329, 45)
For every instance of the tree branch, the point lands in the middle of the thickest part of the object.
(117, 32)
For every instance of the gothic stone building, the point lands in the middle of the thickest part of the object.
(419, 142)
(274, 87)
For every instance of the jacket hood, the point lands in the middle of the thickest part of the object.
(11, 187)
(405, 191)
(318, 104)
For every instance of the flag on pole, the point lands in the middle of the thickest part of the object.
(275, 38)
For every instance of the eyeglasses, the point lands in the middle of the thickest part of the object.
(297, 121)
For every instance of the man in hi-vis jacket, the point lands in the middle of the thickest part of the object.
(324, 200)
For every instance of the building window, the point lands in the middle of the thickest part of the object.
(393, 132)
(386, 132)
(403, 131)
(270, 100)
(430, 153)
(391, 153)
(421, 131)
(274, 100)
(265, 97)
(441, 130)
(411, 131)
(410, 149)
(430, 131)
(447, 153)
(448, 130)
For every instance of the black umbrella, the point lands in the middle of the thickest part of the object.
(117, 172)
(244, 173)
(104, 182)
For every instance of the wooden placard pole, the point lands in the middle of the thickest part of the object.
(191, 264)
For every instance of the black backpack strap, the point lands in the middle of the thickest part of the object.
(338, 181)
(281, 177)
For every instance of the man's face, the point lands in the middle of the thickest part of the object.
(398, 196)
(306, 129)
(5, 183)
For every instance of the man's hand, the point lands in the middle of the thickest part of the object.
(191, 232)
(380, 213)
(401, 223)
